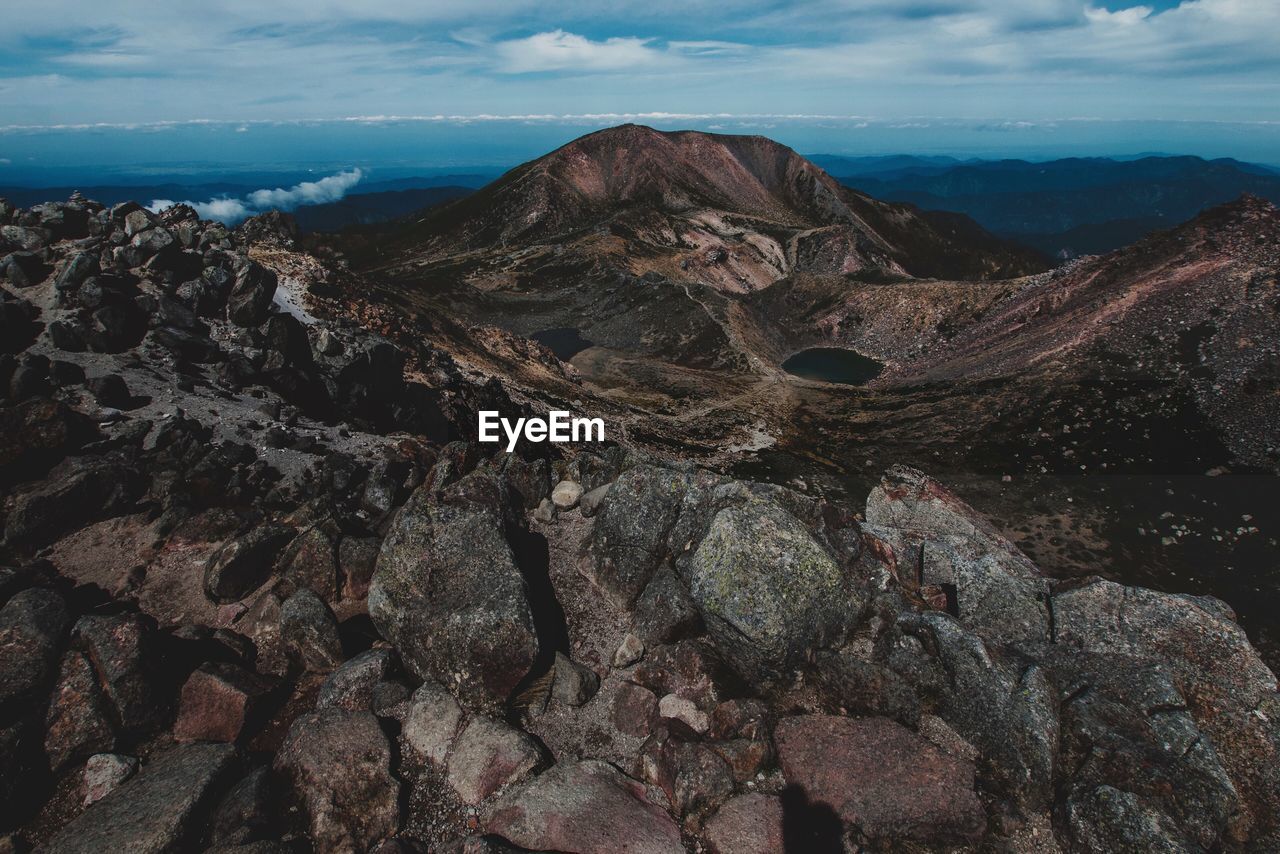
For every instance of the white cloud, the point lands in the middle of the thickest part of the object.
(329, 189)
(232, 211)
(298, 59)
(561, 51)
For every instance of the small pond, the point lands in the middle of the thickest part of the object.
(833, 365)
(565, 342)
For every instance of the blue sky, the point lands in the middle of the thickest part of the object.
(1208, 68)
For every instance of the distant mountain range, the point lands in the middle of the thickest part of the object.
(1059, 208)
(377, 201)
(1064, 208)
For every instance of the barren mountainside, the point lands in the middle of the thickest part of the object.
(687, 195)
(262, 590)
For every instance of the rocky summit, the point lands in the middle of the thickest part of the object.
(263, 590)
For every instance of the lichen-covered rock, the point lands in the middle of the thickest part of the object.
(768, 591)
(629, 538)
(338, 764)
(1231, 707)
(448, 593)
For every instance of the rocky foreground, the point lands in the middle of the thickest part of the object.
(260, 594)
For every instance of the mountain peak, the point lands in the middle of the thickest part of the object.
(754, 206)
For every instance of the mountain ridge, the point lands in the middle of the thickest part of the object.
(681, 192)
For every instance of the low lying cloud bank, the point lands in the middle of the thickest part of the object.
(232, 210)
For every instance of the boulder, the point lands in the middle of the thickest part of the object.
(694, 777)
(219, 702)
(246, 813)
(77, 724)
(487, 756)
(1109, 819)
(122, 650)
(338, 765)
(629, 536)
(310, 562)
(1128, 728)
(104, 772)
(634, 710)
(566, 494)
(768, 591)
(673, 707)
(573, 684)
(1006, 708)
(77, 269)
(665, 612)
(629, 651)
(161, 809)
(250, 300)
(1229, 693)
(309, 632)
(39, 432)
(748, 824)
(87, 489)
(585, 807)
(241, 565)
(135, 221)
(431, 723)
(352, 685)
(881, 777)
(448, 593)
(33, 624)
(357, 558)
(589, 503)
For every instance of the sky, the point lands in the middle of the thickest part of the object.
(253, 81)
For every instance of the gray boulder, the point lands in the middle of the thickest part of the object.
(242, 565)
(448, 593)
(250, 300)
(768, 591)
(338, 765)
(159, 810)
(629, 539)
(310, 632)
(32, 626)
(588, 807)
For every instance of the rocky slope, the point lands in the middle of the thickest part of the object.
(261, 594)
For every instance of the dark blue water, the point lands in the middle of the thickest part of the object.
(833, 365)
(565, 342)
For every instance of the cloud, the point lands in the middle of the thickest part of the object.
(231, 211)
(560, 51)
(80, 62)
(329, 189)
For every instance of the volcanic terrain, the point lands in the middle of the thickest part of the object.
(262, 591)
